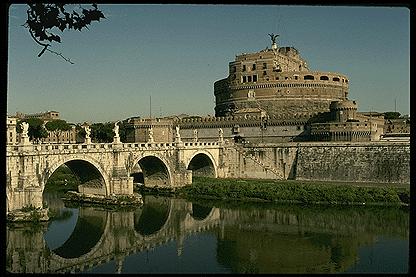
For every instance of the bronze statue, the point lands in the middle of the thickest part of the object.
(273, 37)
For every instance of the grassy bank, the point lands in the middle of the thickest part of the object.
(296, 191)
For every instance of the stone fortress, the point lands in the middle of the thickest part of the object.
(271, 96)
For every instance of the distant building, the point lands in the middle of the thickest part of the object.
(46, 116)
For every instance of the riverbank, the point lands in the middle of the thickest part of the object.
(291, 191)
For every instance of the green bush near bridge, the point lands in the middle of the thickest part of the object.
(297, 191)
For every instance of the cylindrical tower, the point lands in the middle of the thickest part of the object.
(277, 81)
(342, 111)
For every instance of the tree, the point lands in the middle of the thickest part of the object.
(45, 18)
(102, 132)
(57, 126)
(36, 130)
(391, 115)
(123, 131)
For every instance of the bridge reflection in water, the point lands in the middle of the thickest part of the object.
(207, 236)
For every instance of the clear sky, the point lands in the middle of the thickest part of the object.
(175, 53)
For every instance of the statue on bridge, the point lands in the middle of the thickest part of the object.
(87, 134)
(195, 135)
(220, 135)
(115, 129)
(25, 128)
(177, 135)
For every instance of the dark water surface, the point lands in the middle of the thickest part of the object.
(168, 235)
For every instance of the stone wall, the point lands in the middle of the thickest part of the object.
(371, 162)
(380, 162)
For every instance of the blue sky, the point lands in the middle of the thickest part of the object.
(175, 53)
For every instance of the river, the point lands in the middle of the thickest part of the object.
(171, 235)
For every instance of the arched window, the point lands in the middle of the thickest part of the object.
(308, 77)
(335, 79)
(324, 78)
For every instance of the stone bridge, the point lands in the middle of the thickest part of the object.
(110, 236)
(114, 165)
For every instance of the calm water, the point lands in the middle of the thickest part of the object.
(168, 235)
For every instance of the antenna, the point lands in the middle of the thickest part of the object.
(150, 105)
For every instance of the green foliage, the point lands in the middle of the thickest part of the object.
(123, 130)
(391, 115)
(58, 125)
(63, 179)
(102, 132)
(36, 130)
(306, 193)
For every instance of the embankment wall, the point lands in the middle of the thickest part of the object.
(379, 162)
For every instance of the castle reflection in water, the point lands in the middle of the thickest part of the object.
(208, 236)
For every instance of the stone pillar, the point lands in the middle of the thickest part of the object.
(121, 183)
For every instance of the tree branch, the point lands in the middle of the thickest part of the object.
(46, 48)
(60, 54)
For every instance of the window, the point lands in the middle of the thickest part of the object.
(296, 77)
(324, 78)
(244, 79)
(254, 67)
(248, 78)
(264, 73)
(264, 65)
(308, 77)
(335, 79)
(254, 78)
(244, 67)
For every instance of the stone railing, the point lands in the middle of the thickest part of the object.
(94, 147)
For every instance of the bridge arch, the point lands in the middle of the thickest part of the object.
(153, 216)
(100, 222)
(86, 236)
(155, 170)
(200, 212)
(80, 166)
(202, 163)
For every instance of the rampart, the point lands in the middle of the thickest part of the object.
(379, 162)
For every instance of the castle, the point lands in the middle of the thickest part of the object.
(271, 96)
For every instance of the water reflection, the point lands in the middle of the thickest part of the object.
(175, 235)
